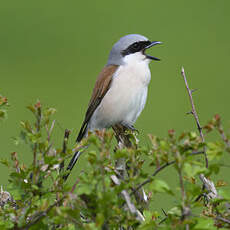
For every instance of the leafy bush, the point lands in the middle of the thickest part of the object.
(117, 186)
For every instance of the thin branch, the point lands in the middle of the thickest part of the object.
(196, 153)
(64, 147)
(207, 184)
(227, 221)
(183, 194)
(124, 141)
(224, 138)
(153, 175)
(159, 169)
(35, 147)
(165, 218)
(221, 130)
(39, 216)
(194, 113)
(128, 201)
(49, 131)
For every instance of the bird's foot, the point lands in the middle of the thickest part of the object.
(130, 127)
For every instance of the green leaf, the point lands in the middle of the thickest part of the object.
(192, 135)
(84, 189)
(193, 170)
(215, 150)
(214, 168)
(205, 224)
(160, 186)
(50, 111)
(5, 162)
(6, 224)
(3, 114)
(35, 187)
(175, 211)
(224, 193)
(121, 153)
(31, 108)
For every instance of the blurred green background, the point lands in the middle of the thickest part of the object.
(54, 50)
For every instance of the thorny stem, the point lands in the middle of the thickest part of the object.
(207, 184)
(194, 113)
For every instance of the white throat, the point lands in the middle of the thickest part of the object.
(136, 58)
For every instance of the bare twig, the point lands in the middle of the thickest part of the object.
(187, 226)
(183, 194)
(49, 131)
(66, 137)
(14, 157)
(128, 201)
(194, 113)
(209, 185)
(165, 218)
(227, 221)
(153, 175)
(221, 130)
(225, 139)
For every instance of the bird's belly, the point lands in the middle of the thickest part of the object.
(123, 102)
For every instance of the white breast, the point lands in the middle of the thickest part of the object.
(127, 95)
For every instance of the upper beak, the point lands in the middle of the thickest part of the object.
(147, 47)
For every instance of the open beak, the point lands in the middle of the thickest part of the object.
(147, 47)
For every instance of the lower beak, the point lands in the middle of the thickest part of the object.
(149, 46)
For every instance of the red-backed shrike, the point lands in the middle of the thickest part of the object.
(120, 92)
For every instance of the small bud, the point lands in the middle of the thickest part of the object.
(190, 112)
(37, 105)
(171, 132)
(193, 90)
(217, 117)
(182, 70)
(209, 127)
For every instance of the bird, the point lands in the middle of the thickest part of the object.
(120, 91)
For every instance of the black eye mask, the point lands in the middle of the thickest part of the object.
(136, 47)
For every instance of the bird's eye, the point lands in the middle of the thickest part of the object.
(136, 45)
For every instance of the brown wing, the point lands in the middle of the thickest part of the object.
(101, 87)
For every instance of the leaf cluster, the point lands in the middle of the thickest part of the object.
(37, 197)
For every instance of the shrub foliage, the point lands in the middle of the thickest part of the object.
(106, 195)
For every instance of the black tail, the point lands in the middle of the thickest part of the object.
(72, 163)
(77, 154)
(82, 132)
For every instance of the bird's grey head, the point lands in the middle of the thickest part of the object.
(128, 45)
